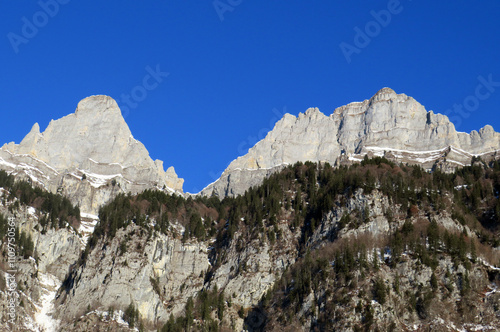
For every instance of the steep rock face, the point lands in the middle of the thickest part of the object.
(82, 153)
(377, 206)
(329, 229)
(38, 279)
(226, 185)
(56, 251)
(448, 310)
(179, 269)
(389, 124)
(250, 268)
(157, 274)
(23, 316)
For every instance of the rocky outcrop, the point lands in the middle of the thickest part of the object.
(444, 310)
(377, 206)
(250, 268)
(157, 274)
(388, 124)
(86, 154)
(37, 279)
(57, 250)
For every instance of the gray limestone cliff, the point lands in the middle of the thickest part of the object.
(89, 155)
(38, 277)
(388, 124)
(156, 273)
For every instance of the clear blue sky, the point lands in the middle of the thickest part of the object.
(231, 66)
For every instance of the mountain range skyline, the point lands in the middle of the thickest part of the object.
(458, 114)
(96, 135)
(201, 89)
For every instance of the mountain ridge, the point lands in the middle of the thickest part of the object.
(386, 120)
(95, 144)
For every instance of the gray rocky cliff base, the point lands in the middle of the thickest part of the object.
(38, 279)
(157, 274)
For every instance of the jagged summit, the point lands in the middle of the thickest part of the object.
(384, 94)
(388, 123)
(312, 111)
(96, 141)
(95, 131)
(35, 129)
(97, 103)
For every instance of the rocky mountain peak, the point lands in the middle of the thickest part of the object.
(313, 111)
(487, 131)
(388, 95)
(384, 94)
(95, 131)
(35, 129)
(388, 124)
(95, 141)
(97, 104)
